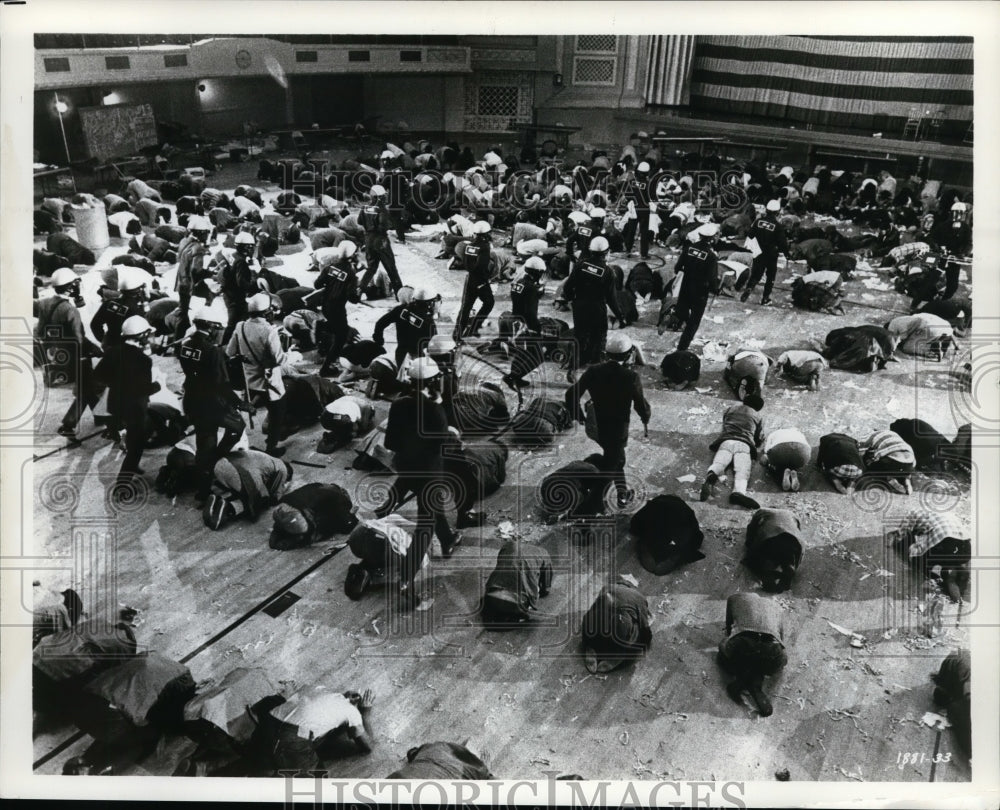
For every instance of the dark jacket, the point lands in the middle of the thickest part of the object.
(700, 266)
(592, 282)
(524, 301)
(128, 372)
(326, 507)
(769, 235)
(743, 424)
(615, 390)
(416, 431)
(523, 573)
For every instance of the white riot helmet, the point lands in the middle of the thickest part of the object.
(63, 277)
(423, 368)
(130, 283)
(618, 344)
(387, 155)
(598, 213)
(481, 226)
(348, 249)
(440, 345)
(643, 167)
(136, 326)
(377, 191)
(259, 303)
(599, 245)
(244, 240)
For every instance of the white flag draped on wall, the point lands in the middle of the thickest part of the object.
(668, 72)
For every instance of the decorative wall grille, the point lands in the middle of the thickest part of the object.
(597, 44)
(497, 101)
(590, 71)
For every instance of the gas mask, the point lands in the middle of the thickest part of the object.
(73, 291)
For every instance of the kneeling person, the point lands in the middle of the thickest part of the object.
(246, 483)
(523, 574)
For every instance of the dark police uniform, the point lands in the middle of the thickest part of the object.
(209, 403)
(417, 431)
(414, 326)
(476, 262)
(110, 316)
(376, 221)
(529, 348)
(614, 390)
(700, 266)
(591, 286)
(638, 193)
(341, 284)
(128, 371)
(770, 235)
(238, 284)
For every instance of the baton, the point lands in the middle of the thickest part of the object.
(246, 393)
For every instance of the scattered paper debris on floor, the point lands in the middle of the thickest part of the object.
(630, 579)
(718, 319)
(537, 761)
(857, 640)
(703, 390)
(876, 284)
(855, 775)
(935, 721)
(687, 479)
(701, 410)
(506, 530)
(623, 738)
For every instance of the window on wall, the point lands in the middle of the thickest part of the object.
(116, 62)
(175, 60)
(595, 60)
(56, 64)
(497, 101)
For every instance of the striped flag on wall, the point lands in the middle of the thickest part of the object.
(857, 82)
(668, 70)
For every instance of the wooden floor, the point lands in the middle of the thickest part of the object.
(523, 695)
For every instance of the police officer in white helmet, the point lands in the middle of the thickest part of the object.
(128, 369)
(615, 389)
(192, 254)
(376, 220)
(68, 351)
(590, 289)
(417, 432)
(209, 400)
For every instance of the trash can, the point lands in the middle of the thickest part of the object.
(91, 227)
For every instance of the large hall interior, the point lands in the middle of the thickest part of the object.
(701, 365)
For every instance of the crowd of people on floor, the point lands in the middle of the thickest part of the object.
(242, 335)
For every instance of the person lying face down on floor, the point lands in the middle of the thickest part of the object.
(381, 546)
(753, 647)
(887, 456)
(441, 760)
(575, 490)
(523, 573)
(309, 727)
(802, 366)
(937, 544)
(667, 534)
(773, 549)
(742, 433)
(616, 627)
(840, 459)
(680, 369)
(785, 452)
(246, 483)
(930, 448)
(746, 372)
(311, 513)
